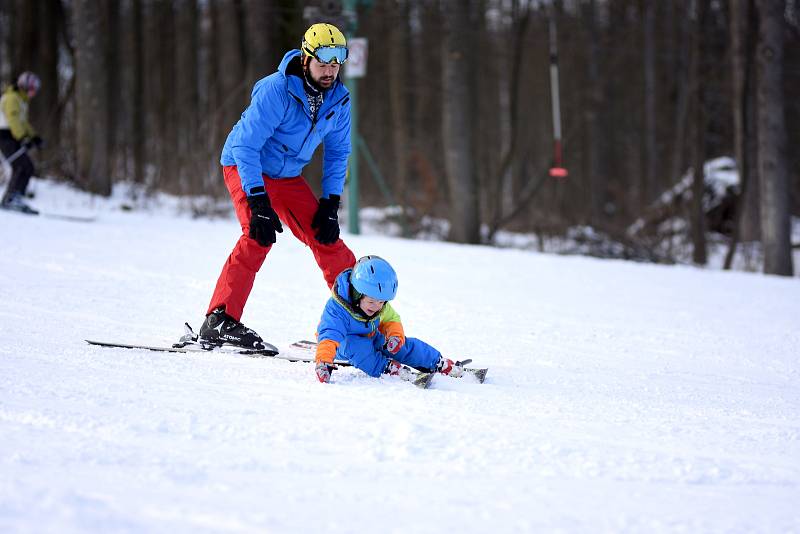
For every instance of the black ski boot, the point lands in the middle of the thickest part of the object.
(16, 202)
(220, 328)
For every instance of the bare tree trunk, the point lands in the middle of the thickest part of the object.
(230, 82)
(165, 101)
(650, 147)
(426, 133)
(6, 39)
(187, 102)
(738, 10)
(751, 218)
(91, 104)
(113, 74)
(137, 107)
(697, 217)
(259, 52)
(594, 146)
(741, 100)
(683, 87)
(24, 45)
(502, 192)
(398, 97)
(775, 195)
(458, 133)
(45, 111)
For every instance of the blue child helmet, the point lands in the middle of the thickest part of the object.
(374, 277)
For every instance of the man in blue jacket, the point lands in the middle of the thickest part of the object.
(291, 113)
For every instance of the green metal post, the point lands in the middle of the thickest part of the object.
(352, 84)
(352, 205)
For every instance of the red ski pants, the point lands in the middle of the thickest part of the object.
(295, 204)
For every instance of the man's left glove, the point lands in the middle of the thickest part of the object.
(326, 220)
(323, 371)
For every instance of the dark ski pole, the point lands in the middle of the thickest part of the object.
(13, 157)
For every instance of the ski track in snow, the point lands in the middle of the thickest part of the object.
(620, 396)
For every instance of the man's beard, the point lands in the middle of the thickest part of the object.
(325, 81)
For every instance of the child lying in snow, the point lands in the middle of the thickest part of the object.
(359, 325)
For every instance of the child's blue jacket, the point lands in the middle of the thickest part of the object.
(341, 319)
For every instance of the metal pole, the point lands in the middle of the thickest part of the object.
(352, 84)
(352, 203)
(556, 170)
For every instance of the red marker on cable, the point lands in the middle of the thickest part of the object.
(556, 171)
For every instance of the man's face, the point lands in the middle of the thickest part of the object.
(323, 73)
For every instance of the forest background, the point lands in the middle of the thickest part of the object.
(454, 111)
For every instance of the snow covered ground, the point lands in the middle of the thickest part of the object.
(621, 397)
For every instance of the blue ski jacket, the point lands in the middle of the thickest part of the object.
(276, 135)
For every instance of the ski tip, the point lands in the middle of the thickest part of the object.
(423, 381)
(100, 343)
(480, 375)
(304, 344)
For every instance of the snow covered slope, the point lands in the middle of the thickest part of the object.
(620, 397)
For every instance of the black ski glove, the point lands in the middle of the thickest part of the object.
(34, 142)
(326, 220)
(264, 222)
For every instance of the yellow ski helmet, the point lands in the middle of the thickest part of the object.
(325, 42)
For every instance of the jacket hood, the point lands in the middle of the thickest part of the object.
(341, 294)
(287, 58)
(341, 286)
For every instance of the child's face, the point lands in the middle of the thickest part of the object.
(370, 306)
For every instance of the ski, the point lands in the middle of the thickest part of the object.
(190, 343)
(269, 352)
(68, 217)
(420, 379)
(47, 215)
(479, 374)
(423, 380)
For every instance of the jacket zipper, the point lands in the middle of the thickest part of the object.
(313, 122)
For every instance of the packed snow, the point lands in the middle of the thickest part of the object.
(620, 397)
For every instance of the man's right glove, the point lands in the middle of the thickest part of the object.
(264, 222)
(323, 371)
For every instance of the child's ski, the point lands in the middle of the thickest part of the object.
(478, 374)
(423, 380)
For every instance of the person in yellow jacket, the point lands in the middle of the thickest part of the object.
(17, 136)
